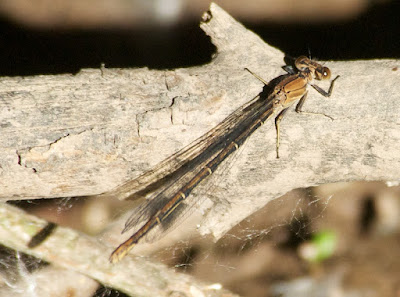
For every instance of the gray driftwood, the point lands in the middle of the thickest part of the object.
(85, 134)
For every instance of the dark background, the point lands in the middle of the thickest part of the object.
(28, 48)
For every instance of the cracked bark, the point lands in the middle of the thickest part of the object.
(88, 133)
(85, 134)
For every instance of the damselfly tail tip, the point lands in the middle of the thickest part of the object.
(117, 255)
(120, 252)
(114, 258)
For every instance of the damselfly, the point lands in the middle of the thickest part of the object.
(171, 182)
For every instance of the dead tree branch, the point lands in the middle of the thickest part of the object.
(87, 256)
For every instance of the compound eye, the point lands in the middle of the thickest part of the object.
(326, 73)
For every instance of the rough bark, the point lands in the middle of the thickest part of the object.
(85, 134)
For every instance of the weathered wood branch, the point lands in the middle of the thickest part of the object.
(86, 134)
(88, 256)
(47, 282)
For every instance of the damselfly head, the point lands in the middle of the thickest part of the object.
(302, 63)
